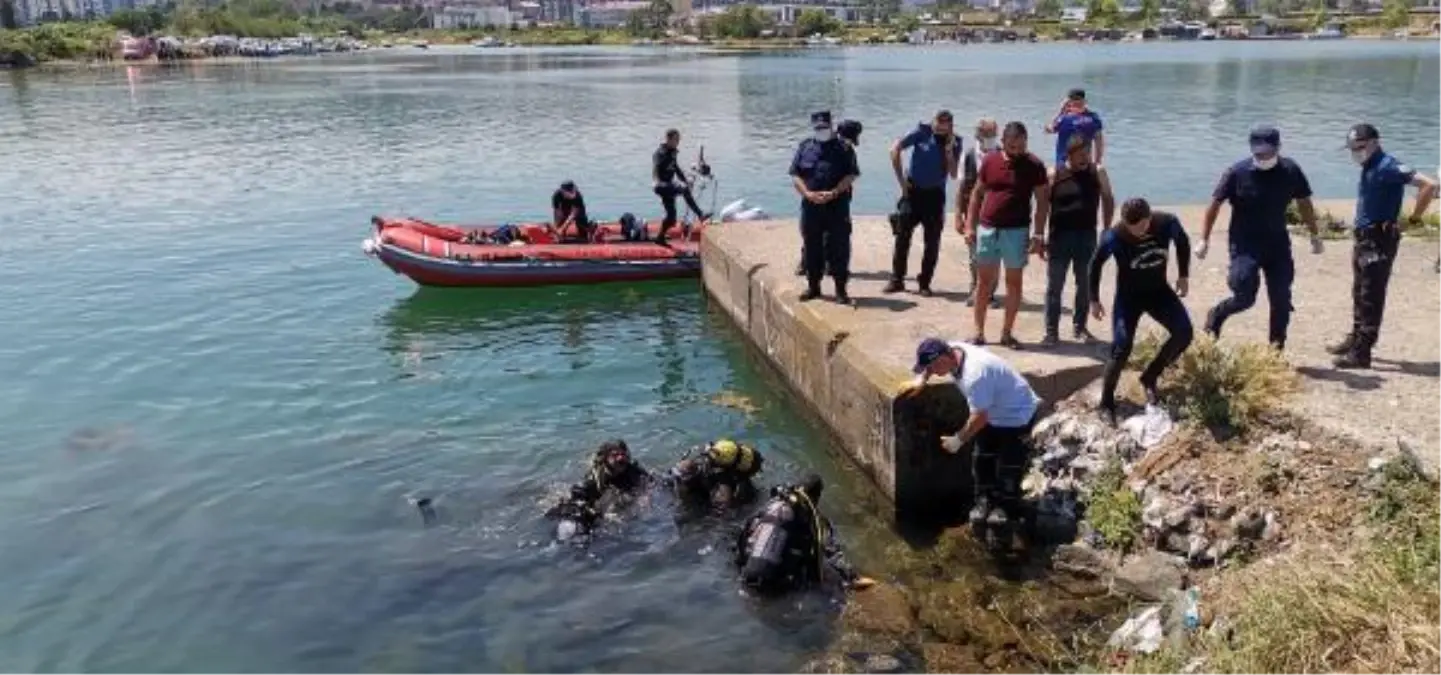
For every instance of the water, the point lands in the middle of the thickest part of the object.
(215, 409)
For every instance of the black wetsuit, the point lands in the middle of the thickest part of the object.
(698, 480)
(666, 169)
(1142, 288)
(787, 546)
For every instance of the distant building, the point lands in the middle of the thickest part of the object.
(608, 14)
(471, 16)
(1074, 15)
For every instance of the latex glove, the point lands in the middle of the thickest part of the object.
(951, 444)
(1316, 245)
(862, 583)
(1202, 249)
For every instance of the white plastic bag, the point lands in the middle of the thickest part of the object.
(1149, 427)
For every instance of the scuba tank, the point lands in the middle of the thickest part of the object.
(767, 540)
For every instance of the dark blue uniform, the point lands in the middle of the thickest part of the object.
(1142, 288)
(1379, 197)
(1259, 241)
(826, 228)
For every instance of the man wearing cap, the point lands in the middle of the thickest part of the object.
(822, 172)
(568, 209)
(850, 132)
(935, 155)
(1076, 118)
(1003, 410)
(1259, 189)
(1378, 237)
(671, 182)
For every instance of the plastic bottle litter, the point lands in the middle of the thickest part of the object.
(1150, 427)
(1192, 616)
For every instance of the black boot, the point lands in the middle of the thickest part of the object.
(895, 286)
(811, 293)
(842, 297)
(1353, 360)
(1343, 347)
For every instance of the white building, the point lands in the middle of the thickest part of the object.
(471, 16)
(1074, 15)
(608, 14)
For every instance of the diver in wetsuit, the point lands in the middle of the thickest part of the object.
(718, 476)
(1141, 245)
(612, 470)
(788, 545)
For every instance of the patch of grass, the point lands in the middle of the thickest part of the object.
(1222, 387)
(1428, 228)
(1374, 610)
(1113, 509)
(1331, 226)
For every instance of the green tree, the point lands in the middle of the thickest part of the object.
(1236, 7)
(908, 22)
(1395, 14)
(744, 22)
(1048, 8)
(1319, 15)
(7, 15)
(1271, 7)
(134, 21)
(1150, 11)
(815, 20)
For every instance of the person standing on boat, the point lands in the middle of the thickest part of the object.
(1141, 245)
(850, 132)
(1076, 118)
(822, 172)
(1381, 193)
(568, 210)
(1259, 189)
(670, 182)
(1079, 190)
(935, 153)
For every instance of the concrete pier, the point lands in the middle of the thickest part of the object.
(848, 362)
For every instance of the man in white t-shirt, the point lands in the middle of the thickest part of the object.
(1003, 409)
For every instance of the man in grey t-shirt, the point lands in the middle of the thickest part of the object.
(1003, 410)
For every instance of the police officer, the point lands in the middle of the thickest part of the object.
(822, 172)
(935, 153)
(1378, 236)
(850, 132)
(1259, 189)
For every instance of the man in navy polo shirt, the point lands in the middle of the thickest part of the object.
(935, 154)
(1259, 189)
(1378, 237)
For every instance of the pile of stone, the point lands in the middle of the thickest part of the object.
(1180, 516)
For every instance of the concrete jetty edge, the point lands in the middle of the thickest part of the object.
(848, 363)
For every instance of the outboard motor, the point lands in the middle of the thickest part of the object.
(740, 211)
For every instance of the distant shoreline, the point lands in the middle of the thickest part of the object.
(759, 45)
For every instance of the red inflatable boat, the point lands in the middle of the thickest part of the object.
(527, 254)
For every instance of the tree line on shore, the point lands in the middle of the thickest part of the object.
(70, 37)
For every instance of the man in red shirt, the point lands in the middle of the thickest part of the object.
(999, 219)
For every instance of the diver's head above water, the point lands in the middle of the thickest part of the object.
(614, 455)
(812, 486)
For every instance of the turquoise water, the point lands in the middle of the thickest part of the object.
(215, 408)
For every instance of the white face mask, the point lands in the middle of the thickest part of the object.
(1360, 156)
(824, 135)
(1265, 164)
(987, 143)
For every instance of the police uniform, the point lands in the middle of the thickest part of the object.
(850, 132)
(825, 228)
(1259, 241)
(1381, 193)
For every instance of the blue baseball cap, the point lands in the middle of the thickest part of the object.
(928, 351)
(821, 120)
(1265, 140)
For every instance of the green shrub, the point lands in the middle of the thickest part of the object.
(1113, 509)
(1223, 387)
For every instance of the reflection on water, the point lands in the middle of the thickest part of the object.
(216, 409)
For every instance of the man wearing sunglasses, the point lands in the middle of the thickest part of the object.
(1380, 196)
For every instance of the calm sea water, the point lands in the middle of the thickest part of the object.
(214, 408)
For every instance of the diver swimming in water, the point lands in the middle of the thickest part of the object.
(718, 475)
(612, 471)
(789, 544)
